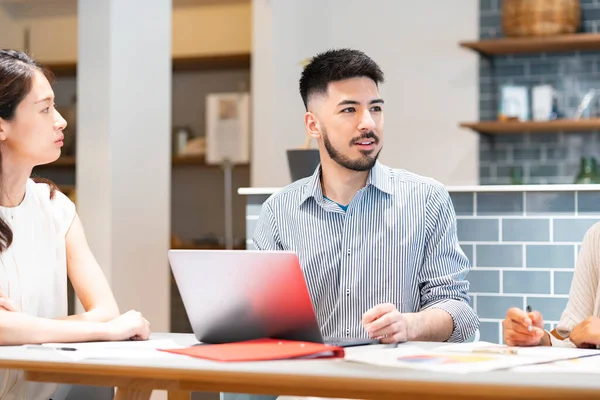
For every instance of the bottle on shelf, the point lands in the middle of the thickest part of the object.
(516, 176)
(181, 137)
(587, 171)
(555, 113)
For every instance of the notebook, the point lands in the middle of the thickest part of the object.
(261, 350)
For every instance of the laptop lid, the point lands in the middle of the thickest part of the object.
(235, 295)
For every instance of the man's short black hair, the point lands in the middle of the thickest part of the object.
(336, 65)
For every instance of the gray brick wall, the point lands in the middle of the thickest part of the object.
(547, 157)
(523, 248)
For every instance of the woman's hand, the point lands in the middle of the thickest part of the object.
(587, 333)
(131, 325)
(524, 329)
(5, 302)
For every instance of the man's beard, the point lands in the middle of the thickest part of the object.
(364, 163)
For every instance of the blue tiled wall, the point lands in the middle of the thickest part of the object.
(545, 157)
(523, 248)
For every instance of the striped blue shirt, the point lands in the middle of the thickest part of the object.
(395, 243)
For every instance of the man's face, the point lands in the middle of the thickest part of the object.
(348, 121)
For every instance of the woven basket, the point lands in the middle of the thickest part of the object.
(540, 17)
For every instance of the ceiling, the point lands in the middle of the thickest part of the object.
(37, 8)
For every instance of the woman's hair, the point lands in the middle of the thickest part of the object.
(17, 71)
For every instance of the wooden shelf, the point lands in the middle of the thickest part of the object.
(69, 161)
(195, 160)
(199, 246)
(208, 63)
(189, 160)
(512, 127)
(63, 161)
(66, 188)
(549, 44)
(179, 64)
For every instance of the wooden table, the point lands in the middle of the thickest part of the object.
(327, 377)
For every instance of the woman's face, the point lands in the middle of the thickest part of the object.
(35, 134)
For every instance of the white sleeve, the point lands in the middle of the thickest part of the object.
(64, 212)
(582, 295)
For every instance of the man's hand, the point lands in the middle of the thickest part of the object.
(587, 333)
(386, 323)
(5, 303)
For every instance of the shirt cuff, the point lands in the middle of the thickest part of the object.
(560, 343)
(465, 320)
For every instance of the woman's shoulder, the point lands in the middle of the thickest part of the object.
(588, 255)
(53, 201)
(46, 191)
(593, 233)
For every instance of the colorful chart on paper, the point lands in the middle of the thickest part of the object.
(436, 359)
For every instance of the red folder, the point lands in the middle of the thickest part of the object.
(261, 350)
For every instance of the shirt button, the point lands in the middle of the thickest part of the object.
(347, 332)
(348, 251)
(348, 292)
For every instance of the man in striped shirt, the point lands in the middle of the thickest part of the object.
(378, 246)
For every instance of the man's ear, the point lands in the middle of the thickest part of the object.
(312, 125)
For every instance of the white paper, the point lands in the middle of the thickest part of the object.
(562, 353)
(515, 102)
(128, 344)
(586, 365)
(113, 354)
(542, 102)
(228, 128)
(126, 350)
(462, 358)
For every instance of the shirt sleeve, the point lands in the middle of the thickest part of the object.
(582, 295)
(443, 283)
(64, 212)
(265, 234)
(59, 207)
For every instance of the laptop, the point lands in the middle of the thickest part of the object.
(236, 295)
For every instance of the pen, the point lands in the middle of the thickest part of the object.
(495, 350)
(39, 347)
(529, 309)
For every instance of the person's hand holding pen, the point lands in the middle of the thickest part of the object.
(524, 328)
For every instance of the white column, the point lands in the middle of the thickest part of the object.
(124, 147)
(282, 40)
(431, 82)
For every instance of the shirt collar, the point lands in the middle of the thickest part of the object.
(379, 177)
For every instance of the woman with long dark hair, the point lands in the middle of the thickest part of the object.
(42, 241)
